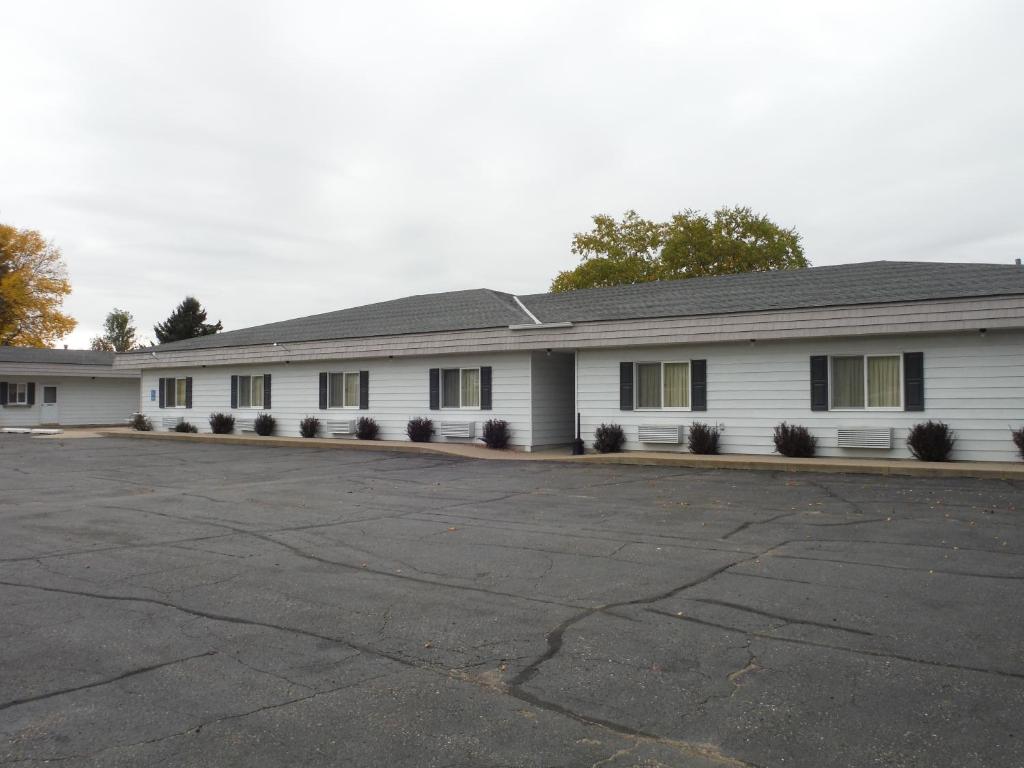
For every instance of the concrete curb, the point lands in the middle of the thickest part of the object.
(885, 467)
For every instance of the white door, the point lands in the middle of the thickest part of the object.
(48, 408)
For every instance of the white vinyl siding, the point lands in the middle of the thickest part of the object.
(81, 399)
(972, 383)
(399, 390)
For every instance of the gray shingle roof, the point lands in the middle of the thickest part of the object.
(846, 284)
(55, 356)
(433, 312)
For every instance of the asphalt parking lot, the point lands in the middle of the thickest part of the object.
(182, 604)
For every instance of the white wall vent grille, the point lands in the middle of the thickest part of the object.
(457, 428)
(650, 433)
(170, 422)
(865, 437)
(335, 428)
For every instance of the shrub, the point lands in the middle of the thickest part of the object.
(496, 433)
(702, 438)
(140, 423)
(419, 430)
(608, 438)
(931, 441)
(794, 441)
(222, 423)
(1018, 440)
(185, 426)
(366, 428)
(309, 426)
(264, 424)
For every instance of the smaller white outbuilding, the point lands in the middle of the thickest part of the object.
(64, 387)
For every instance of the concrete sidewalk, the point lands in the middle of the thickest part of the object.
(773, 463)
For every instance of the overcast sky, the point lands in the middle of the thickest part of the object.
(281, 159)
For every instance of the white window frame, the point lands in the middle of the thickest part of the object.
(238, 394)
(460, 406)
(866, 407)
(661, 386)
(330, 390)
(174, 388)
(15, 387)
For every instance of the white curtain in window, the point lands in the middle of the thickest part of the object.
(244, 388)
(847, 382)
(648, 385)
(471, 388)
(337, 391)
(450, 383)
(181, 392)
(884, 382)
(352, 389)
(257, 391)
(677, 385)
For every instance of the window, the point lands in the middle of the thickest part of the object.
(663, 385)
(250, 391)
(17, 393)
(343, 390)
(49, 395)
(174, 393)
(866, 381)
(460, 388)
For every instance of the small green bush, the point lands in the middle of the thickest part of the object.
(496, 433)
(931, 441)
(366, 428)
(309, 426)
(222, 423)
(609, 438)
(420, 430)
(141, 423)
(795, 441)
(702, 439)
(264, 424)
(185, 426)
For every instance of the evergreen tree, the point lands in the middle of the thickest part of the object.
(187, 321)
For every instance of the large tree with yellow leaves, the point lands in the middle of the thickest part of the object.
(33, 284)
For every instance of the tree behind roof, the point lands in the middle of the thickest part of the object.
(187, 321)
(690, 244)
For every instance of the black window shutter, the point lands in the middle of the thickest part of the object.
(913, 381)
(163, 392)
(435, 388)
(364, 390)
(819, 382)
(625, 386)
(31, 393)
(3, 393)
(234, 393)
(485, 387)
(266, 390)
(698, 385)
(323, 391)
(188, 391)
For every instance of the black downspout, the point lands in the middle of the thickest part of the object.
(577, 444)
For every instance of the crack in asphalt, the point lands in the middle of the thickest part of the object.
(844, 648)
(107, 681)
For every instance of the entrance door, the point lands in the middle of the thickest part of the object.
(48, 409)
